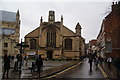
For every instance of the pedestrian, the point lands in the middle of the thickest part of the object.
(19, 60)
(109, 61)
(91, 57)
(17, 57)
(6, 66)
(12, 60)
(26, 59)
(117, 65)
(12, 57)
(100, 60)
(39, 63)
(34, 67)
(36, 56)
(96, 63)
(16, 62)
(95, 55)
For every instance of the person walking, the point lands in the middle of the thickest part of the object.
(6, 66)
(36, 56)
(117, 65)
(39, 63)
(90, 61)
(19, 58)
(12, 58)
(26, 59)
(100, 60)
(96, 63)
(109, 61)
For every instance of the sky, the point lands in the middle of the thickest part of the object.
(89, 13)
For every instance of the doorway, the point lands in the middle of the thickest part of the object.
(49, 55)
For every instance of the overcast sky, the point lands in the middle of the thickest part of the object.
(89, 13)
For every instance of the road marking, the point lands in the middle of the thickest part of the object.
(62, 71)
(103, 72)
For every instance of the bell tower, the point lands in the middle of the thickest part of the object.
(51, 17)
(17, 28)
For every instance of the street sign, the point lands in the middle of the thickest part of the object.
(18, 44)
(24, 45)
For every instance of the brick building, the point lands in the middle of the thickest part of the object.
(108, 39)
(92, 46)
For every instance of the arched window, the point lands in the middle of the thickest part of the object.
(51, 38)
(68, 44)
(33, 44)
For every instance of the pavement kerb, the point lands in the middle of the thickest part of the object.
(57, 69)
(103, 72)
(62, 71)
(51, 71)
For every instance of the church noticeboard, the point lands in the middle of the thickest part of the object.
(31, 53)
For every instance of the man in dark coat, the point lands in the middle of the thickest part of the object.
(39, 63)
(91, 57)
(117, 65)
(6, 66)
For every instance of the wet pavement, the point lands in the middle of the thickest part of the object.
(111, 72)
(82, 71)
(26, 72)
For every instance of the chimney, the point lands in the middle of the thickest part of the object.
(114, 6)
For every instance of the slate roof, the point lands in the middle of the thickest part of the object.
(7, 16)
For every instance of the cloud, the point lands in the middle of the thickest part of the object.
(88, 14)
(58, 0)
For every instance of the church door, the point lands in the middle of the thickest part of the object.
(49, 54)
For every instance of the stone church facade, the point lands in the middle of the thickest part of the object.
(53, 40)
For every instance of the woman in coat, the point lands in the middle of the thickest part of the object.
(39, 63)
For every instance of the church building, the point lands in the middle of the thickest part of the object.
(53, 40)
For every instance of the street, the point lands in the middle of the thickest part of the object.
(26, 73)
(82, 71)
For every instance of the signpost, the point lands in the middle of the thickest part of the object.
(21, 45)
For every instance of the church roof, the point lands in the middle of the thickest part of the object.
(34, 33)
(69, 29)
(7, 16)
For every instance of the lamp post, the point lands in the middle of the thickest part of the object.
(20, 45)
